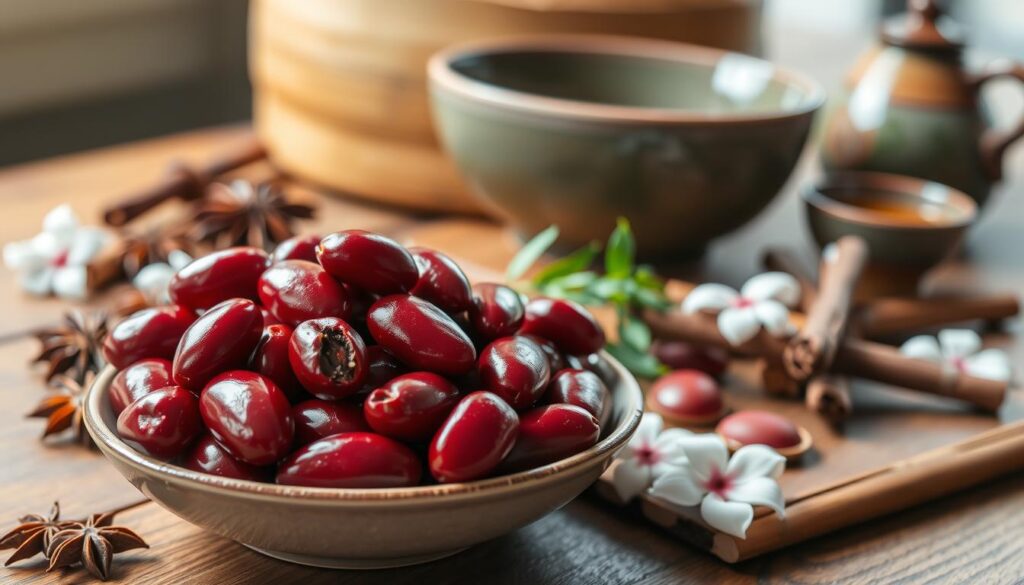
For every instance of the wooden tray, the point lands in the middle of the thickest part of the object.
(898, 449)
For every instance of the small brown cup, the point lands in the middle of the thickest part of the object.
(910, 225)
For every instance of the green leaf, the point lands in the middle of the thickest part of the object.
(640, 363)
(652, 299)
(645, 277)
(579, 260)
(613, 290)
(621, 251)
(573, 281)
(528, 255)
(634, 333)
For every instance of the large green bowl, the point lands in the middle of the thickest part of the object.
(687, 142)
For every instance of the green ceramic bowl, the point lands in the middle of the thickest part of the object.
(910, 225)
(687, 142)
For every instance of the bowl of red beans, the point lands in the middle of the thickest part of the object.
(347, 402)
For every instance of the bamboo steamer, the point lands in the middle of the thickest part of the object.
(340, 86)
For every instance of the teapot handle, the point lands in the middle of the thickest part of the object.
(993, 143)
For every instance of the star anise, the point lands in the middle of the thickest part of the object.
(33, 535)
(150, 247)
(92, 543)
(73, 348)
(245, 214)
(63, 408)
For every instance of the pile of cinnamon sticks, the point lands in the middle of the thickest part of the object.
(831, 344)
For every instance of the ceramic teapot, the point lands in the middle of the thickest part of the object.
(912, 109)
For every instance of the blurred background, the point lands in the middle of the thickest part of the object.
(83, 74)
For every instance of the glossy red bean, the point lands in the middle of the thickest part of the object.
(137, 380)
(295, 291)
(351, 460)
(249, 416)
(382, 367)
(316, 419)
(759, 427)
(686, 396)
(411, 407)
(581, 388)
(516, 369)
(297, 248)
(219, 276)
(328, 357)
(680, 355)
(222, 339)
(497, 311)
(564, 322)
(369, 261)
(207, 456)
(441, 281)
(420, 335)
(270, 358)
(149, 333)
(162, 422)
(550, 433)
(474, 439)
(556, 359)
(268, 318)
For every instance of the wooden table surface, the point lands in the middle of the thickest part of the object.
(972, 537)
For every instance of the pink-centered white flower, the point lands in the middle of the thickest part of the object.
(650, 453)
(56, 260)
(763, 301)
(961, 351)
(153, 280)
(726, 489)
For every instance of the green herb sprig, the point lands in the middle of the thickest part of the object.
(623, 284)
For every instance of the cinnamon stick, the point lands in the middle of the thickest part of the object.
(776, 380)
(182, 182)
(854, 357)
(889, 316)
(784, 260)
(812, 349)
(829, 396)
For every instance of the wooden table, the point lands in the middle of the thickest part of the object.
(973, 537)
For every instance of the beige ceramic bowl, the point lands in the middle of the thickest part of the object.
(349, 528)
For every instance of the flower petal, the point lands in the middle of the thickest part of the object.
(178, 259)
(959, 343)
(152, 280)
(774, 316)
(670, 447)
(86, 243)
(922, 347)
(23, 256)
(647, 431)
(992, 364)
(730, 517)
(759, 491)
(777, 286)
(61, 221)
(706, 453)
(738, 326)
(678, 487)
(753, 461)
(48, 245)
(709, 297)
(630, 479)
(70, 282)
(36, 282)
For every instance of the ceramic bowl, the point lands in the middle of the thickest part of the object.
(363, 528)
(910, 225)
(687, 142)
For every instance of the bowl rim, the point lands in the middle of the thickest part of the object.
(815, 197)
(113, 446)
(442, 75)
